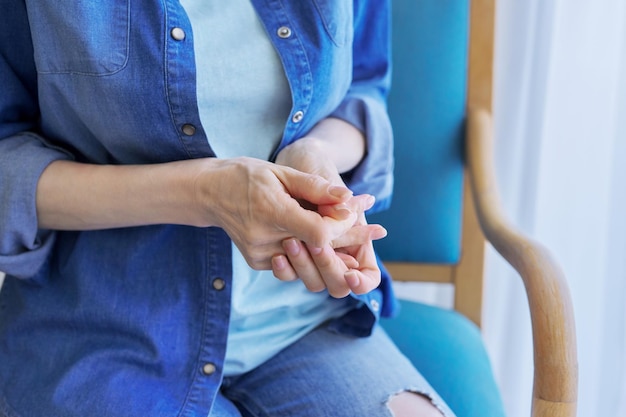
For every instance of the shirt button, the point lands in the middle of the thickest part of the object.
(177, 34)
(284, 32)
(375, 305)
(297, 117)
(209, 369)
(219, 284)
(189, 130)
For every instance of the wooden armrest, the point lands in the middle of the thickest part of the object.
(555, 384)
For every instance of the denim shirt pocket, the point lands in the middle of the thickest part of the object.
(93, 41)
(337, 19)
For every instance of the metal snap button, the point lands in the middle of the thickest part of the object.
(209, 369)
(298, 116)
(284, 32)
(219, 284)
(177, 34)
(188, 129)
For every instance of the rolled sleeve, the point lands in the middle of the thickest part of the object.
(365, 103)
(23, 246)
(374, 174)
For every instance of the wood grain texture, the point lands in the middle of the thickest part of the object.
(554, 335)
(415, 272)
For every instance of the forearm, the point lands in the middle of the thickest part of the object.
(343, 143)
(75, 196)
(255, 201)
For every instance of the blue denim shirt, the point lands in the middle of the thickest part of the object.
(123, 321)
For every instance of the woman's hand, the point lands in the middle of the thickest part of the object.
(259, 205)
(348, 263)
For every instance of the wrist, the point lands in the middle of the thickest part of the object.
(307, 148)
(332, 141)
(311, 155)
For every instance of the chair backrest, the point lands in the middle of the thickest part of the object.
(442, 59)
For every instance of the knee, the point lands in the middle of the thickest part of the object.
(409, 404)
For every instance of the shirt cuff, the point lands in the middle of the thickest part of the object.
(23, 246)
(374, 174)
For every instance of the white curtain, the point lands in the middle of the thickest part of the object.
(560, 124)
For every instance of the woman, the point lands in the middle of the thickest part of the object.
(177, 237)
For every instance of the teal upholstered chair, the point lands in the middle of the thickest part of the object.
(445, 205)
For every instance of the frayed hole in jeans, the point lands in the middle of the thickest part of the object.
(405, 405)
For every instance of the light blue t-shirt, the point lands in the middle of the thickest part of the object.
(243, 93)
(244, 100)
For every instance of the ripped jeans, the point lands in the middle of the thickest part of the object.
(325, 374)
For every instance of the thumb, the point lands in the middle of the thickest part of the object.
(311, 227)
(313, 188)
(307, 225)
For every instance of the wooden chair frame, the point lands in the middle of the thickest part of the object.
(554, 339)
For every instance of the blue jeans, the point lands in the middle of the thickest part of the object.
(325, 374)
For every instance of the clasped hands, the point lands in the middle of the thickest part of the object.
(299, 224)
(346, 263)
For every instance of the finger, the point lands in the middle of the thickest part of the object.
(339, 211)
(358, 204)
(308, 226)
(359, 235)
(344, 213)
(349, 261)
(362, 281)
(318, 191)
(367, 277)
(282, 269)
(331, 269)
(301, 262)
(258, 254)
(361, 203)
(312, 188)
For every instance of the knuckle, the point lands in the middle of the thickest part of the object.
(257, 262)
(315, 286)
(325, 263)
(283, 276)
(370, 284)
(320, 236)
(339, 292)
(314, 182)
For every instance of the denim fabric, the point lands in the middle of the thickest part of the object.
(244, 75)
(123, 322)
(351, 377)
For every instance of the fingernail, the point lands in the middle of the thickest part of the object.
(315, 250)
(369, 202)
(279, 262)
(352, 279)
(291, 247)
(339, 192)
(378, 233)
(342, 210)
